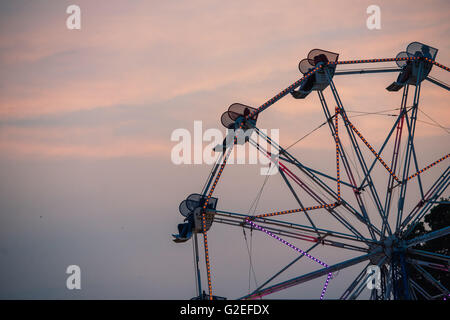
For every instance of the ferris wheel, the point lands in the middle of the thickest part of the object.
(378, 214)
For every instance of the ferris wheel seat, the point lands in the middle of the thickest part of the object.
(300, 94)
(194, 201)
(192, 209)
(426, 68)
(418, 49)
(395, 86)
(413, 72)
(320, 79)
(199, 226)
(237, 116)
(316, 57)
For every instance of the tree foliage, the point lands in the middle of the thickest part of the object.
(437, 218)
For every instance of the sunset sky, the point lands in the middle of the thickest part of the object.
(86, 116)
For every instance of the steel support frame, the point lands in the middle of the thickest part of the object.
(324, 187)
(360, 157)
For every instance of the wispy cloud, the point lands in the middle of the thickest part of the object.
(155, 55)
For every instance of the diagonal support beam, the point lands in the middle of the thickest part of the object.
(434, 192)
(310, 276)
(285, 268)
(438, 83)
(429, 236)
(431, 279)
(432, 255)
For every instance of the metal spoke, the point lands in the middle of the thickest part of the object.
(308, 277)
(431, 279)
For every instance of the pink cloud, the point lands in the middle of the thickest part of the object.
(151, 53)
(125, 148)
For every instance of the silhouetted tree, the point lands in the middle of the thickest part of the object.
(437, 218)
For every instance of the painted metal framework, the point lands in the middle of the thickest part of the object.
(388, 245)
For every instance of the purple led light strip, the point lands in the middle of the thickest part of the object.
(299, 250)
